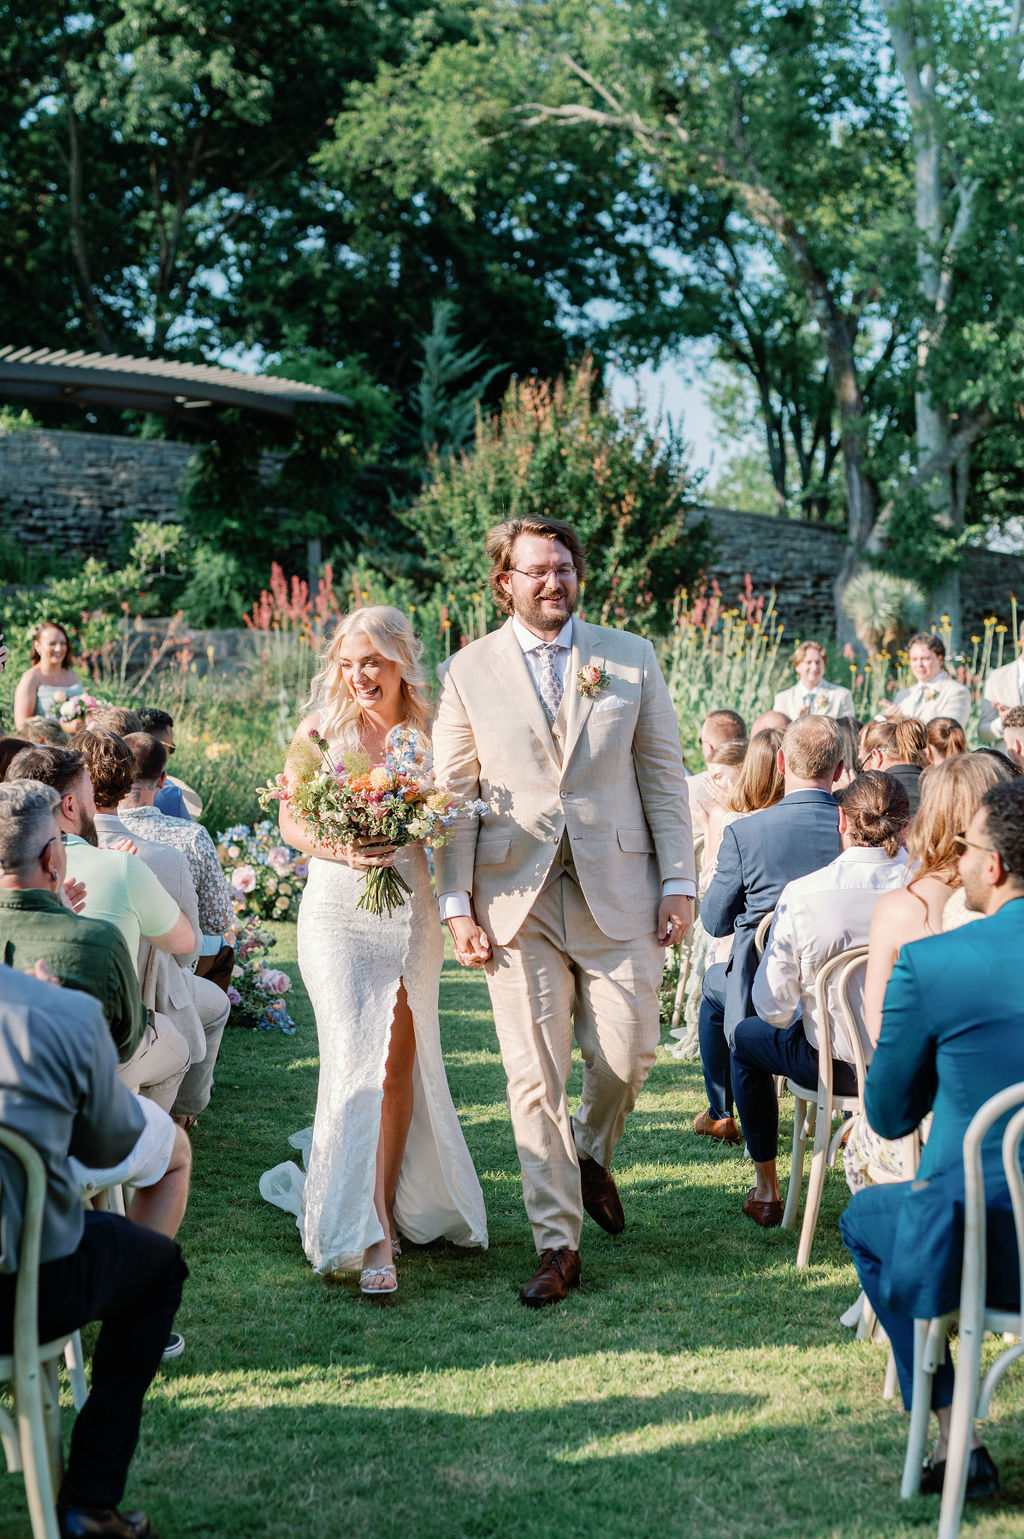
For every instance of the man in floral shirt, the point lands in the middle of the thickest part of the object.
(141, 817)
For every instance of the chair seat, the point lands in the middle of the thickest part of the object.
(47, 1350)
(843, 1103)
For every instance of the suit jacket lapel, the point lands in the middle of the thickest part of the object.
(509, 667)
(579, 706)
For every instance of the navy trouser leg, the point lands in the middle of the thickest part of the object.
(714, 1050)
(760, 1052)
(868, 1227)
(129, 1278)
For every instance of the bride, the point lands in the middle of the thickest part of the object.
(387, 1155)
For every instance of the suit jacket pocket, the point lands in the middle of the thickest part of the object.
(635, 841)
(492, 849)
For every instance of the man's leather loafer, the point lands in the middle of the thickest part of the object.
(722, 1128)
(767, 1214)
(559, 1270)
(982, 1476)
(600, 1194)
(102, 1523)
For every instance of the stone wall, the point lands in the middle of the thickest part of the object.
(72, 493)
(800, 560)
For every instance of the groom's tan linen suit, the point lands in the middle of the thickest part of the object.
(588, 817)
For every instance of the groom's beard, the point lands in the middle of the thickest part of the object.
(87, 830)
(547, 617)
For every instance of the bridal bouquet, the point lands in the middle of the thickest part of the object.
(356, 802)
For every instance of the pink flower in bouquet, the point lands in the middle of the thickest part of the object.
(243, 878)
(280, 858)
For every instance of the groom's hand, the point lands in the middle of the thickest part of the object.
(472, 948)
(675, 916)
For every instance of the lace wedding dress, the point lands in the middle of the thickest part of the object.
(352, 963)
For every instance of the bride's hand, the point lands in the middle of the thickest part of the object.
(361, 854)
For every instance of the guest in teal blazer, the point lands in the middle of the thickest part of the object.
(952, 1036)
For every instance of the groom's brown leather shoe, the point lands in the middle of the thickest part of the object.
(559, 1270)
(600, 1194)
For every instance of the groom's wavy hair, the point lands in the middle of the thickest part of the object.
(499, 540)
(389, 631)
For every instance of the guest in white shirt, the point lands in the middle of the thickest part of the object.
(812, 694)
(1004, 689)
(933, 693)
(817, 916)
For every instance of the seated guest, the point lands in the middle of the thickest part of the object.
(35, 924)
(768, 721)
(812, 694)
(724, 769)
(120, 888)
(112, 718)
(946, 738)
(757, 857)
(1013, 735)
(197, 1007)
(931, 902)
(900, 748)
(42, 729)
(9, 746)
(933, 693)
(173, 798)
(952, 1036)
(140, 816)
(156, 1171)
(718, 727)
(817, 917)
(58, 1089)
(849, 731)
(50, 679)
(1004, 689)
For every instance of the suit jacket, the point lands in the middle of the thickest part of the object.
(756, 858)
(1002, 685)
(608, 776)
(942, 697)
(952, 1035)
(829, 700)
(167, 982)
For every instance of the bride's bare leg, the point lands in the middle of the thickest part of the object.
(395, 1117)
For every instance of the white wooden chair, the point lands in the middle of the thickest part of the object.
(970, 1402)
(815, 1107)
(31, 1438)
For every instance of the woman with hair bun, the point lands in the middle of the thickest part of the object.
(386, 1154)
(946, 739)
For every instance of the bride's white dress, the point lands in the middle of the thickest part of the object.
(352, 963)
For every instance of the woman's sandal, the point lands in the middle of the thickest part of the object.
(378, 1282)
(396, 1248)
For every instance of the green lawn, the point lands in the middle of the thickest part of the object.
(696, 1384)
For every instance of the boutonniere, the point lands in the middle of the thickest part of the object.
(931, 694)
(821, 702)
(591, 680)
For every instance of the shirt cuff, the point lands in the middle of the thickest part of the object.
(455, 905)
(676, 887)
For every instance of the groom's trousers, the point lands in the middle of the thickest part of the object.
(560, 973)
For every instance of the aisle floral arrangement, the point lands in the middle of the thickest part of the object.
(266, 877)
(394, 803)
(256, 990)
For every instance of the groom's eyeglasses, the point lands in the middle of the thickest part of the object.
(563, 573)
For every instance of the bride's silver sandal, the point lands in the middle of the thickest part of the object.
(378, 1282)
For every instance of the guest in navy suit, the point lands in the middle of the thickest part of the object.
(756, 858)
(952, 1036)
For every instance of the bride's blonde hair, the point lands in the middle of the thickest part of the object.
(389, 631)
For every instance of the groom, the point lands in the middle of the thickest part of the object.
(579, 873)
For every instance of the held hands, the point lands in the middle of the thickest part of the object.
(675, 916)
(472, 948)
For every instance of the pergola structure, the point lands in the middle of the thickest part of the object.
(149, 384)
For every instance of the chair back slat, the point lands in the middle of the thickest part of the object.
(26, 1298)
(1015, 1181)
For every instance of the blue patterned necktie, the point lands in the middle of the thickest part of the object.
(549, 685)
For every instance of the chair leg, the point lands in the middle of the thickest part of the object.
(920, 1410)
(891, 1386)
(35, 1455)
(815, 1182)
(50, 1386)
(796, 1167)
(74, 1361)
(961, 1424)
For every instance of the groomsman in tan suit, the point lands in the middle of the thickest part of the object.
(812, 694)
(1004, 689)
(575, 879)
